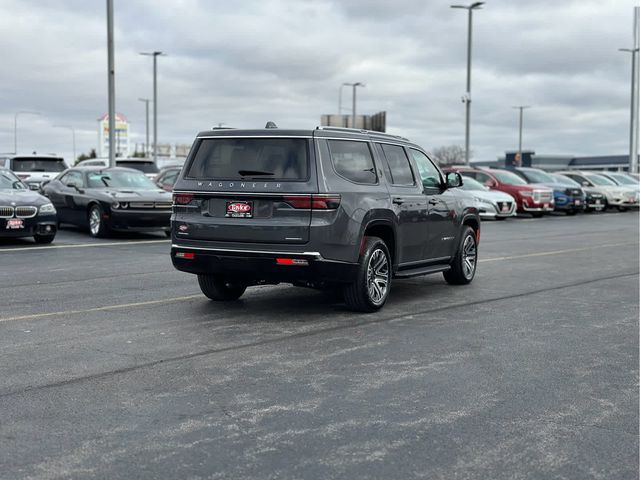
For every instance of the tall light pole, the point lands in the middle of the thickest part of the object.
(146, 108)
(155, 55)
(521, 108)
(340, 96)
(111, 84)
(73, 135)
(15, 127)
(633, 148)
(467, 97)
(353, 114)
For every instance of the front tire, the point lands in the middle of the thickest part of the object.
(44, 238)
(370, 290)
(97, 226)
(463, 267)
(220, 290)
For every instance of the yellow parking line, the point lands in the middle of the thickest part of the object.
(82, 245)
(554, 252)
(102, 309)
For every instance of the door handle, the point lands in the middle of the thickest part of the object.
(433, 201)
(398, 200)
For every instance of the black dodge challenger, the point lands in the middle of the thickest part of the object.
(23, 212)
(108, 199)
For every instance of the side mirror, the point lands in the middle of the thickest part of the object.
(453, 180)
(585, 184)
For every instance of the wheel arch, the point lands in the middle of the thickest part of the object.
(385, 230)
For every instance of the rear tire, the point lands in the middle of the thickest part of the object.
(537, 214)
(219, 289)
(370, 290)
(463, 267)
(571, 212)
(622, 209)
(44, 238)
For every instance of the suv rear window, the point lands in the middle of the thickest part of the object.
(38, 165)
(144, 167)
(251, 158)
(353, 161)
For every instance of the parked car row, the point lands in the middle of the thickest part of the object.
(537, 192)
(134, 195)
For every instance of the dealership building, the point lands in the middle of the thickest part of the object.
(559, 162)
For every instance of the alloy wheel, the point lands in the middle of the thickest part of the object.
(94, 221)
(469, 257)
(378, 276)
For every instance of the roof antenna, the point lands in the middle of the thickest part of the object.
(270, 125)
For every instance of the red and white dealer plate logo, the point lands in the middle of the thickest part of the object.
(239, 209)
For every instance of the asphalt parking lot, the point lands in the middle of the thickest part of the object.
(115, 366)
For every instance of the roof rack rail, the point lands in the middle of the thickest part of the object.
(363, 131)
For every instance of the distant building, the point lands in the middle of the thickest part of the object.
(560, 162)
(122, 136)
(376, 122)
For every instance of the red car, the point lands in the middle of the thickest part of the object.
(532, 199)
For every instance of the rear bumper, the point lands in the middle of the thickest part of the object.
(257, 266)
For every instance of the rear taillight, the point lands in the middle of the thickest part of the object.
(186, 255)
(314, 202)
(182, 198)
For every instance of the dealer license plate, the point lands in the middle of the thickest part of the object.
(239, 210)
(15, 223)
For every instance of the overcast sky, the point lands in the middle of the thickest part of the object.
(245, 62)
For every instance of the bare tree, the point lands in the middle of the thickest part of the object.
(450, 155)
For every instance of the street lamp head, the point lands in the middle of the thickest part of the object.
(629, 50)
(358, 84)
(473, 6)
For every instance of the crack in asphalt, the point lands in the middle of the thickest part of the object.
(310, 333)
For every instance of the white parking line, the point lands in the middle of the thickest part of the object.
(102, 309)
(191, 297)
(555, 252)
(83, 245)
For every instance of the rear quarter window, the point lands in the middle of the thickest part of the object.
(283, 159)
(353, 161)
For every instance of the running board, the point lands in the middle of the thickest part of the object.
(414, 272)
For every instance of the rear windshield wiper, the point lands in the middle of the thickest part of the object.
(253, 172)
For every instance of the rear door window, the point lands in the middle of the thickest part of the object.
(251, 158)
(399, 167)
(353, 161)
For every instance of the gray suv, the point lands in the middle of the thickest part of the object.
(330, 208)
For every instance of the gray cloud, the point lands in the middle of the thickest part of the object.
(243, 63)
